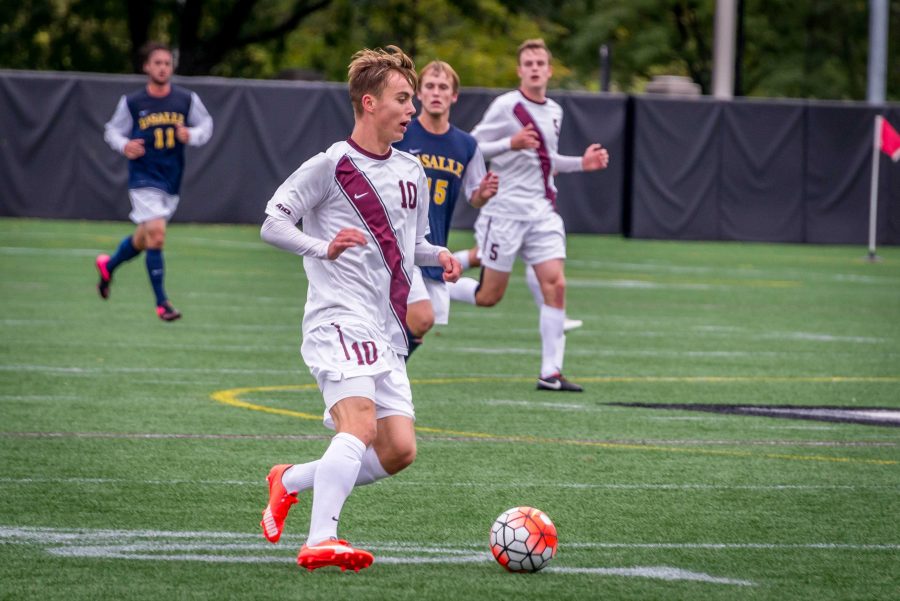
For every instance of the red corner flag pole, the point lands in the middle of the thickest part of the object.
(887, 140)
(873, 188)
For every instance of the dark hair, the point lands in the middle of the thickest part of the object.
(151, 47)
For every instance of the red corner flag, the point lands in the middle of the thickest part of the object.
(889, 141)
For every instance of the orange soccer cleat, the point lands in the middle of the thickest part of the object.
(333, 552)
(280, 501)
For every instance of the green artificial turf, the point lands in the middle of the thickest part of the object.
(134, 452)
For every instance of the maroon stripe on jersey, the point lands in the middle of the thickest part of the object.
(525, 118)
(362, 195)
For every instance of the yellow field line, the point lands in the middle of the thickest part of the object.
(232, 397)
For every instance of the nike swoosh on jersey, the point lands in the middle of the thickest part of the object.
(415, 150)
(358, 196)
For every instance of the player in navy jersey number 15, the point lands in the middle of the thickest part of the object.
(151, 127)
(453, 162)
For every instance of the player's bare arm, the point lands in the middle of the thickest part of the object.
(594, 158)
(345, 239)
(486, 190)
(525, 138)
(452, 268)
(134, 149)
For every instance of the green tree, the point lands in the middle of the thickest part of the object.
(797, 48)
(478, 37)
(104, 35)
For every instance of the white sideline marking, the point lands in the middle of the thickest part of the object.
(600, 352)
(553, 485)
(641, 441)
(142, 370)
(231, 547)
(545, 405)
(24, 250)
(739, 546)
(813, 337)
(658, 572)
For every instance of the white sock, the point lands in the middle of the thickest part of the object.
(371, 469)
(552, 338)
(463, 290)
(463, 257)
(534, 285)
(300, 477)
(333, 483)
(560, 352)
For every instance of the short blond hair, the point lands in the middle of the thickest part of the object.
(369, 71)
(440, 67)
(533, 44)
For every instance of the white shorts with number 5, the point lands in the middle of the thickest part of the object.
(352, 359)
(500, 240)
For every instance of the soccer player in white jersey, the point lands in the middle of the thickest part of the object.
(519, 134)
(364, 207)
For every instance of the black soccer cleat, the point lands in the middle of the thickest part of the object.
(558, 383)
(167, 312)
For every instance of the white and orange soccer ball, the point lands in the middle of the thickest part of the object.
(523, 539)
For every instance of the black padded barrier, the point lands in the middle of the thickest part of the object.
(54, 162)
(760, 170)
(754, 170)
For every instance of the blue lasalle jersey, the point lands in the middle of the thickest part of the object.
(444, 157)
(155, 120)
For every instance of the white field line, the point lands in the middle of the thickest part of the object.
(560, 406)
(211, 348)
(617, 352)
(88, 371)
(68, 252)
(435, 437)
(751, 273)
(229, 547)
(655, 572)
(188, 326)
(741, 546)
(226, 547)
(622, 486)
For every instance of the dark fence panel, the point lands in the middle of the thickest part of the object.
(761, 172)
(773, 171)
(677, 156)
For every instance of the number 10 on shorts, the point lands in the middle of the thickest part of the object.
(366, 353)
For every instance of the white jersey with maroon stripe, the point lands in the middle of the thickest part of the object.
(526, 190)
(386, 197)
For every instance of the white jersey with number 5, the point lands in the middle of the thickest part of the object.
(386, 197)
(527, 191)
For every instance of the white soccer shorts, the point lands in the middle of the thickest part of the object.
(500, 240)
(423, 288)
(150, 203)
(351, 359)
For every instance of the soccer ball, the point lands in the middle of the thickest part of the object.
(523, 539)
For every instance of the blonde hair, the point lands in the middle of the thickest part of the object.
(440, 67)
(533, 44)
(369, 71)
